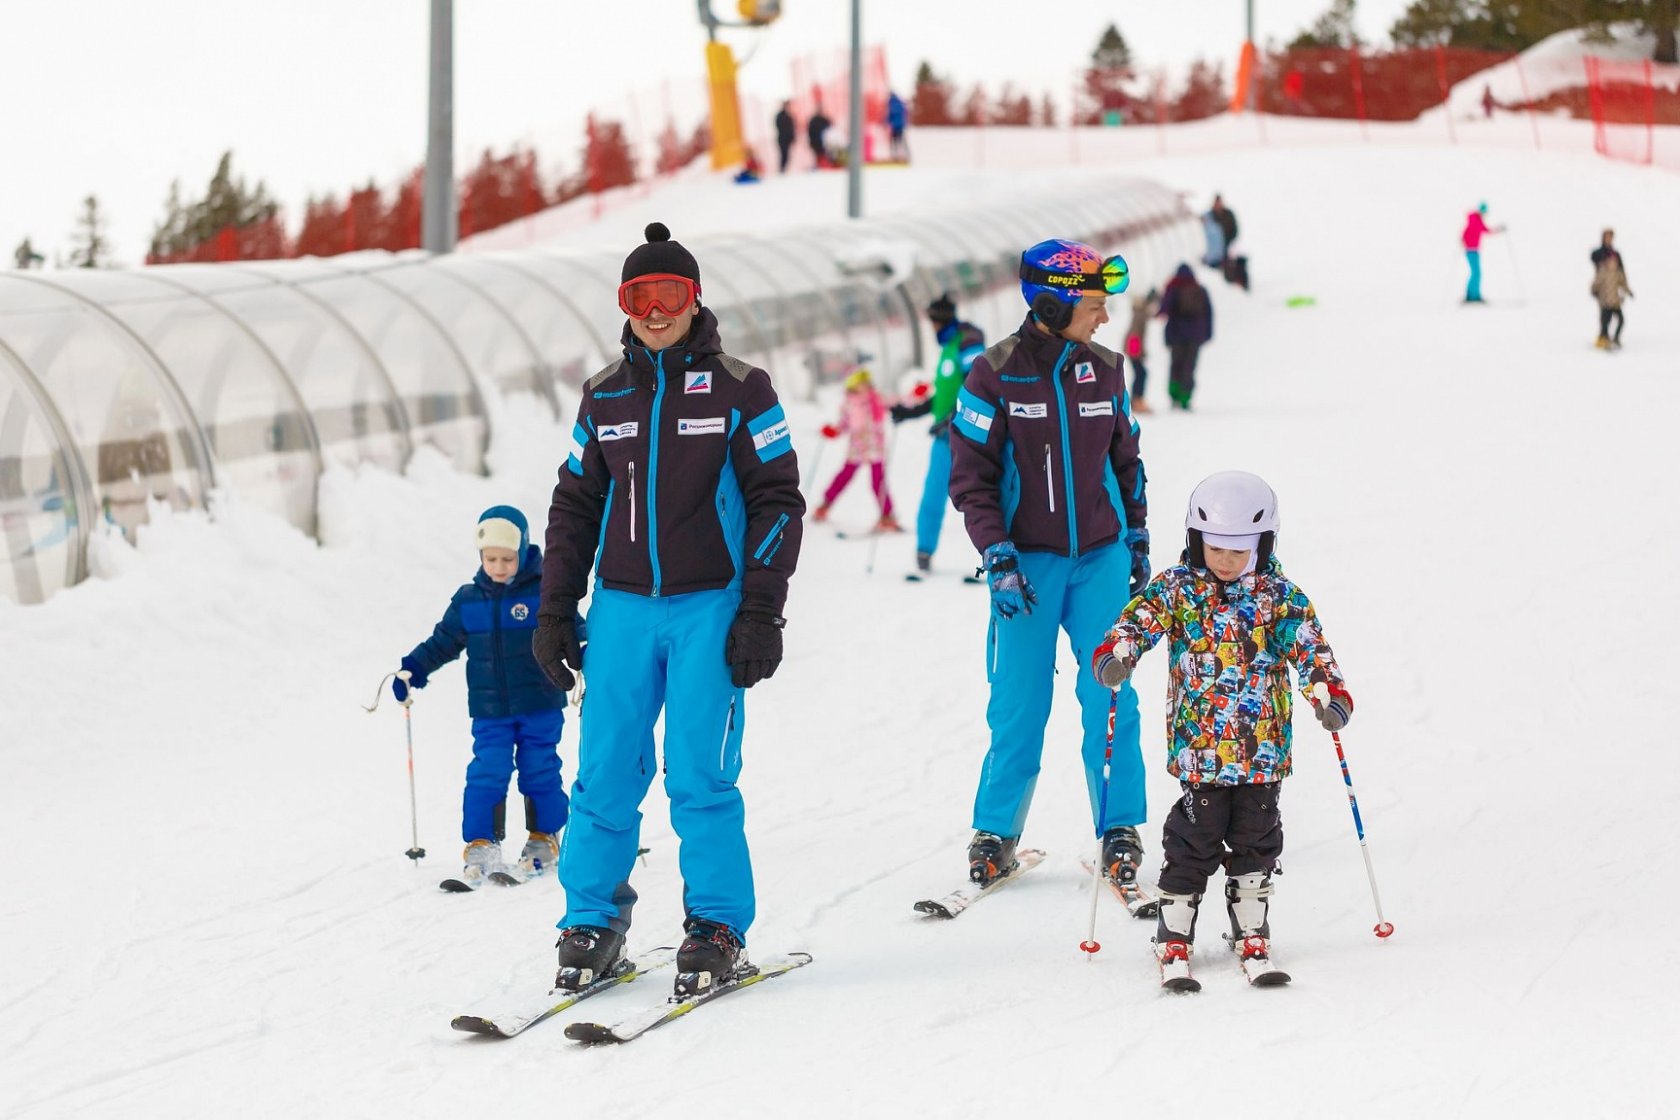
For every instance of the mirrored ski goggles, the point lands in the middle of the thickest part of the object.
(638, 298)
(1110, 279)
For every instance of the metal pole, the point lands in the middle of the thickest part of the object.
(854, 159)
(438, 217)
(1254, 64)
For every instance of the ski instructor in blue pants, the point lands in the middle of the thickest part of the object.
(681, 490)
(1047, 477)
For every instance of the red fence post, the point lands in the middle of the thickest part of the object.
(1650, 116)
(1358, 92)
(1528, 103)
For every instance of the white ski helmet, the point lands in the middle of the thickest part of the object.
(1235, 505)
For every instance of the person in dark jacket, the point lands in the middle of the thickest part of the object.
(898, 115)
(1609, 286)
(1189, 314)
(1226, 219)
(1047, 477)
(816, 132)
(681, 492)
(785, 132)
(517, 712)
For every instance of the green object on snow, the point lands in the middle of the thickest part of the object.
(1301, 301)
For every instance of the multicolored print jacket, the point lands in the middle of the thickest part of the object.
(1231, 646)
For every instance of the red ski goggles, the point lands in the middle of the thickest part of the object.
(1111, 277)
(641, 296)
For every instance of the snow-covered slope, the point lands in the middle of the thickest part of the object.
(210, 913)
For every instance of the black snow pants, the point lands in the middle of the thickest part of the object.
(1239, 827)
(1181, 383)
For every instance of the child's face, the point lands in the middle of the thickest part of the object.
(1226, 563)
(500, 564)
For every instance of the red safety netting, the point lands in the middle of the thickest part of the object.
(1628, 100)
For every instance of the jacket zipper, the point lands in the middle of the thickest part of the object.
(498, 598)
(653, 471)
(632, 501)
(1067, 454)
(1049, 479)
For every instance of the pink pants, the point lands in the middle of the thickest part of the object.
(877, 478)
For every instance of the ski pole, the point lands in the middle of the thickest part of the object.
(1090, 945)
(1511, 251)
(1382, 929)
(415, 851)
(886, 465)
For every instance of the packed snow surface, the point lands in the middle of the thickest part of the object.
(210, 912)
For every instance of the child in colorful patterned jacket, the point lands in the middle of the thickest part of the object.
(1235, 624)
(517, 712)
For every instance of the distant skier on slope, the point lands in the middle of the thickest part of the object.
(681, 492)
(1475, 226)
(960, 342)
(863, 423)
(1145, 306)
(1609, 285)
(1235, 625)
(1047, 475)
(517, 713)
(1188, 310)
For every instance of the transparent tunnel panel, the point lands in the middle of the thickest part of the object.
(39, 512)
(130, 431)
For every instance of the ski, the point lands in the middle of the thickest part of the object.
(963, 897)
(676, 1007)
(1174, 959)
(514, 1020)
(1139, 903)
(1255, 955)
(456, 886)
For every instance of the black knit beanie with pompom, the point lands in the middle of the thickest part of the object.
(660, 254)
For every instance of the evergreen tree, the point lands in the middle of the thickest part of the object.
(89, 246)
(1112, 53)
(1204, 93)
(930, 101)
(25, 255)
(1104, 90)
(1334, 29)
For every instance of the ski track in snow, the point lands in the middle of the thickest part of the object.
(1468, 497)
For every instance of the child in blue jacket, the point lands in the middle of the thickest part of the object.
(517, 713)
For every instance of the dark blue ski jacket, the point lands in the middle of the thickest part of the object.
(493, 623)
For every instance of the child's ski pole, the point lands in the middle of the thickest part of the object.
(1383, 928)
(1090, 946)
(415, 851)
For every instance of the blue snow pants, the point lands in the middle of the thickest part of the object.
(936, 494)
(645, 654)
(501, 744)
(1473, 290)
(1082, 597)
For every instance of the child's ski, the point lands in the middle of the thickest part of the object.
(1139, 903)
(1255, 953)
(675, 1008)
(513, 1020)
(963, 897)
(1174, 958)
(456, 886)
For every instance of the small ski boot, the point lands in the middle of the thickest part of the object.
(482, 859)
(1174, 959)
(990, 857)
(820, 514)
(587, 953)
(1122, 854)
(1248, 902)
(539, 855)
(710, 954)
(1175, 936)
(888, 524)
(924, 563)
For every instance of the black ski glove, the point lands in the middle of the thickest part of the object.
(555, 644)
(754, 646)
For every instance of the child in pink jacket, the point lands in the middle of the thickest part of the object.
(863, 422)
(1475, 225)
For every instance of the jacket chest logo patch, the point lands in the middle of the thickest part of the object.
(520, 612)
(710, 426)
(1029, 411)
(698, 381)
(1101, 408)
(626, 430)
(1084, 374)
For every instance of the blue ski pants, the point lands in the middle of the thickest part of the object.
(501, 744)
(1473, 289)
(936, 494)
(1082, 597)
(645, 655)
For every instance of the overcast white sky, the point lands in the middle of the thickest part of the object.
(118, 97)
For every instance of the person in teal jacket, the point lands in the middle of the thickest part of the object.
(959, 344)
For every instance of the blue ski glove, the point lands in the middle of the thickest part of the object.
(1011, 593)
(1137, 542)
(401, 685)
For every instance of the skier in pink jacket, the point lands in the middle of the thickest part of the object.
(863, 422)
(1475, 224)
